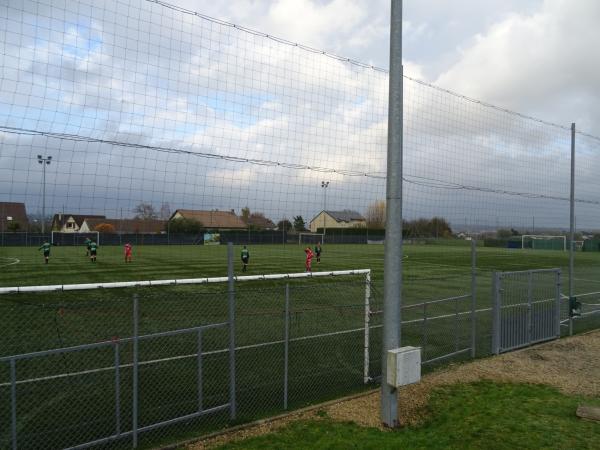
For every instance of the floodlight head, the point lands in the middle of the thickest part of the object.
(39, 156)
(49, 157)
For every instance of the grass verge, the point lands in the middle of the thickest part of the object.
(478, 415)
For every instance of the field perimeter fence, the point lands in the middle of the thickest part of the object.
(158, 360)
(145, 123)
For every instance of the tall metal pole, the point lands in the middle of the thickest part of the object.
(393, 232)
(572, 228)
(44, 161)
(231, 319)
(324, 185)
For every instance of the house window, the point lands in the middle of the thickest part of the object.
(70, 224)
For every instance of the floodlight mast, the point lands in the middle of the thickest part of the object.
(324, 185)
(44, 161)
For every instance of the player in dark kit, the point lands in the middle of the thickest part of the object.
(318, 252)
(93, 251)
(87, 243)
(245, 258)
(46, 247)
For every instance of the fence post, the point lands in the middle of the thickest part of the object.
(529, 306)
(558, 287)
(13, 402)
(496, 313)
(392, 308)
(572, 229)
(366, 376)
(135, 370)
(424, 331)
(286, 345)
(117, 389)
(231, 297)
(473, 297)
(199, 368)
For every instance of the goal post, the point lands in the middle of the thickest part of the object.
(364, 302)
(74, 238)
(544, 242)
(310, 238)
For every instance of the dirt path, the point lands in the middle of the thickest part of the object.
(572, 365)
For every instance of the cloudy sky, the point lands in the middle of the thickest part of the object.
(140, 102)
(535, 56)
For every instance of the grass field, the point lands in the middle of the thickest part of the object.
(69, 410)
(479, 415)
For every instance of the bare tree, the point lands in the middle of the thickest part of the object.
(165, 211)
(144, 211)
(376, 215)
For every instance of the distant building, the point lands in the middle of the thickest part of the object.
(71, 223)
(125, 226)
(337, 219)
(13, 217)
(212, 220)
(260, 222)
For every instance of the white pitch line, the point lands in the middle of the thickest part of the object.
(12, 263)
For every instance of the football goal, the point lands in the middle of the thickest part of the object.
(310, 238)
(544, 242)
(65, 238)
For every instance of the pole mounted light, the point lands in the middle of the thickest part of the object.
(324, 185)
(44, 161)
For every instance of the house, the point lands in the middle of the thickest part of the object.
(258, 221)
(337, 219)
(124, 226)
(212, 220)
(71, 223)
(13, 217)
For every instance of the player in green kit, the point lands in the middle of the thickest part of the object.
(245, 258)
(93, 250)
(46, 247)
(87, 243)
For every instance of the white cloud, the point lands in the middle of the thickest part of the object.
(541, 63)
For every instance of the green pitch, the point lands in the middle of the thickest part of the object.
(65, 411)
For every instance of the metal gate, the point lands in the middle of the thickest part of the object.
(525, 309)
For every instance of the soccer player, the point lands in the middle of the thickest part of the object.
(93, 250)
(309, 257)
(318, 252)
(87, 243)
(46, 246)
(245, 258)
(128, 256)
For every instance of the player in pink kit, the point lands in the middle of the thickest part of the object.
(128, 256)
(309, 257)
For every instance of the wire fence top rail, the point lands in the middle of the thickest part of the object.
(184, 281)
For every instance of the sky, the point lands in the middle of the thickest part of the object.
(534, 56)
(140, 102)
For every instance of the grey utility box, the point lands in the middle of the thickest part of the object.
(403, 366)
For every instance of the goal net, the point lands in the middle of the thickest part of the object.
(544, 242)
(63, 238)
(310, 238)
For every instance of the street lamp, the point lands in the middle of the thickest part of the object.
(44, 162)
(324, 185)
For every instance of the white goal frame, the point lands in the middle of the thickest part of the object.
(53, 232)
(311, 234)
(366, 273)
(544, 237)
